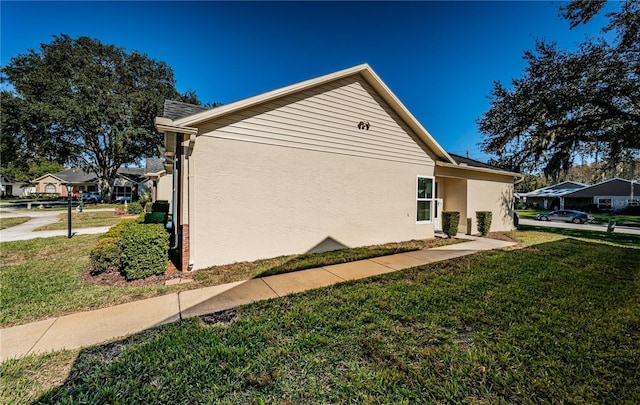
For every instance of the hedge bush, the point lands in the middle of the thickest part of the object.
(105, 256)
(450, 221)
(134, 249)
(135, 208)
(144, 250)
(484, 221)
(155, 218)
(160, 206)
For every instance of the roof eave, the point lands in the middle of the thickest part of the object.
(518, 176)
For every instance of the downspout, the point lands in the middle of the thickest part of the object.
(191, 202)
(177, 200)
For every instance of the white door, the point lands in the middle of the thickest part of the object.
(437, 215)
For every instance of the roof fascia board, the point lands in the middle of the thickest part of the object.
(164, 125)
(480, 169)
(48, 174)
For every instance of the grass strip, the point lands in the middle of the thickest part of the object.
(612, 238)
(286, 264)
(13, 221)
(85, 219)
(555, 322)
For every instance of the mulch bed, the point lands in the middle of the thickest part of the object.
(118, 280)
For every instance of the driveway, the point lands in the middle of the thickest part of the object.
(588, 227)
(40, 218)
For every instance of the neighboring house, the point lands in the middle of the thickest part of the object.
(130, 182)
(551, 197)
(613, 194)
(10, 187)
(332, 162)
(161, 184)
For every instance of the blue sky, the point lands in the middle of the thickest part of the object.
(439, 58)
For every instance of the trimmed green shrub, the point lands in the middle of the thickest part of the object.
(117, 230)
(144, 250)
(105, 256)
(160, 206)
(450, 221)
(484, 221)
(155, 218)
(135, 208)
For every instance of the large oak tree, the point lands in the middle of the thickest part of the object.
(81, 102)
(568, 104)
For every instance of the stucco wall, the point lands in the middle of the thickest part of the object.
(41, 185)
(164, 188)
(454, 197)
(494, 196)
(298, 175)
(256, 201)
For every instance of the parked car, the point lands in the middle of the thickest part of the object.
(91, 197)
(577, 217)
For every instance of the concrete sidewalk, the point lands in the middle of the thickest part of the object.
(27, 231)
(102, 325)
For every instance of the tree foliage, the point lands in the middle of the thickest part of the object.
(81, 102)
(31, 169)
(529, 183)
(569, 104)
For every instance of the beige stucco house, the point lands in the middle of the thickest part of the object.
(335, 161)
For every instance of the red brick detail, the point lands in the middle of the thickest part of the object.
(171, 268)
(185, 248)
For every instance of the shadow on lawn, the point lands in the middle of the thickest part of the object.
(330, 251)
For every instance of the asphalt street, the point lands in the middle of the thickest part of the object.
(589, 227)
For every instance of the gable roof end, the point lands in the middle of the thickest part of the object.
(188, 122)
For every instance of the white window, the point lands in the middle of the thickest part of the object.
(424, 197)
(50, 188)
(604, 203)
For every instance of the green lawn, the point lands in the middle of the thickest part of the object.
(556, 321)
(599, 217)
(86, 219)
(13, 221)
(40, 278)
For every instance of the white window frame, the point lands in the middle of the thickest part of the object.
(431, 200)
(610, 206)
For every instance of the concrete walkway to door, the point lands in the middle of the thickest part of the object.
(94, 327)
